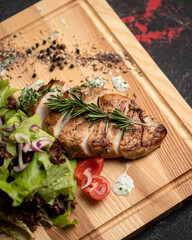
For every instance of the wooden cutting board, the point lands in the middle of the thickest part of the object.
(163, 179)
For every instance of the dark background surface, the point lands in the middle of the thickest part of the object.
(164, 28)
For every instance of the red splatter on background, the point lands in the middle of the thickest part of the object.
(152, 5)
(141, 23)
(169, 34)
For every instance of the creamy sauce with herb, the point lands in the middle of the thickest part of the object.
(123, 184)
(120, 84)
(96, 82)
(31, 96)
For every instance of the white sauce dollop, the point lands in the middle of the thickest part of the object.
(96, 82)
(120, 84)
(123, 184)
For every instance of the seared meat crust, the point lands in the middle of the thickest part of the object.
(80, 140)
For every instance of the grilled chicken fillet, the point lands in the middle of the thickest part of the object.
(80, 140)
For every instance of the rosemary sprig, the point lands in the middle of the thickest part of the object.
(75, 106)
(7, 62)
(122, 121)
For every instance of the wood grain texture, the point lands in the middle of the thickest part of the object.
(162, 179)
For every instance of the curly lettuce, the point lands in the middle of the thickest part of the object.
(5, 92)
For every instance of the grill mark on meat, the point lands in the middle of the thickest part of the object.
(140, 111)
(79, 126)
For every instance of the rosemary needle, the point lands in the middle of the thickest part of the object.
(74, 107)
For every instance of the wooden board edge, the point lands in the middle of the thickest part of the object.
(147, 212)
(30, 14)
(153, 74)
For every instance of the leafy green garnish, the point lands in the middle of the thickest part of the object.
(25, 182)
(10, 224)
(17, 118)
(7, 113)
(63, 220)
(31, 96)
(15, 228)
(5, 92)
(59, 180)
(41, 177)
(24, 128)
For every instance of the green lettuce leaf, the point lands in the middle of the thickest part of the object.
(17, 118)
(41, 177)
(13, 227)
(7, 113)
(63, 220)
(5, 92)
(24, 128)
(11, 117)
(27, 182)
(59, 180)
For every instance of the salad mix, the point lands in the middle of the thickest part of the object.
(37, 184)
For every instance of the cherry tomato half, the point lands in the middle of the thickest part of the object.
(95, 166)
(98, 189)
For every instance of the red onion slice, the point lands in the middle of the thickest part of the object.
(18, 169)
(34, 128)
(20, 155)
(35, 147)
(42, 138)
(88, 174)
(43, 143)
(19, 137)
(27, 148)
(15, 126)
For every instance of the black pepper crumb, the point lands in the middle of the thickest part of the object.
(66, 62)
(54, 41)
(34, 75)
(54, 65)
(62, 46)
(29, 51)
(51, 69)
(61, 67)
(77, 50)
(44, 42)
(14, 35)
(37, 45)
(71, 66)
(53, 47)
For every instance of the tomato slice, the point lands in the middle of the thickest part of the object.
(98, 189)
(95, 166)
